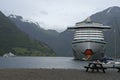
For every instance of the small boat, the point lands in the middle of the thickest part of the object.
(9, 54)
(109, 62)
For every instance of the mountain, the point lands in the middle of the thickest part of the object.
(33, 29)
(61, 42)
(36, 32)
(55, 40)
(111, 17)
(12, 39)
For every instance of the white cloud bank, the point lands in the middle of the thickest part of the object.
(55, 14)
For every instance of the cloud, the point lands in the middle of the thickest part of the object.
(44, 12)
(56, 13)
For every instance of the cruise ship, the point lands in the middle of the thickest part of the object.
(88, 42)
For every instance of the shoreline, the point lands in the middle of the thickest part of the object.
(56, 74)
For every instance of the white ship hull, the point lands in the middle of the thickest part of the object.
(97, 48)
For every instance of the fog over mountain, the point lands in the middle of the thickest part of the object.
(61, 42)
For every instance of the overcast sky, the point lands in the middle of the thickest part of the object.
(55, 14)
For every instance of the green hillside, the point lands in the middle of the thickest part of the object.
(16, 41)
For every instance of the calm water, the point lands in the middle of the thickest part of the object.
(41, 62)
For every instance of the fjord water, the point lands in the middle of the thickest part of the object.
(41, 62)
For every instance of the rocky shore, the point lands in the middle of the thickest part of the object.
(56, 74)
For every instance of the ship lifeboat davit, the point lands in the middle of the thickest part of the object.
(88, 53)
